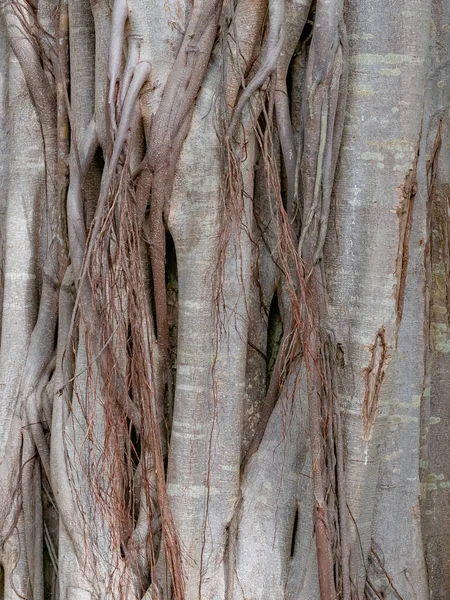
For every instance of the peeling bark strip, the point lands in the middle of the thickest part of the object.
(405, 218)
(436, 253)
(374, 375)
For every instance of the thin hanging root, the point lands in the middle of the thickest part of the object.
(158, 261)
(40, 353)
(140, 76)
(119, 17)
(171, 122)
(18, 20)
(148, 523)
(275, 41)
(156, 238)
(343, 517)
(321, 522)
(143, 380)
(142, 190)
(60, 481)
(293, 320)
(51, 548)
(41, 391)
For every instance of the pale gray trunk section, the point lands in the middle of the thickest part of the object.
(20, 291)
(265, 543)
(213, 279)
(384, 108)
(21, 286)
(4, 151)
(303, 582)
(194, 460)
(82, 69)
(19, 307)
(101, 11)
(397, 549)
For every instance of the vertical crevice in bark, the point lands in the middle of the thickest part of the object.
(374, 375)
(274, 337)
(91, 186)
(405, 213)
(172, 319)
(50, 525)
(294, 533)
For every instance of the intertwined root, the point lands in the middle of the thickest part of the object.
(108, 374)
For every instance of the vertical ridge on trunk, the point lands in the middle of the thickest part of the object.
(224, 299)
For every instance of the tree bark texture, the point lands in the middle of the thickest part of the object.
(224, 299)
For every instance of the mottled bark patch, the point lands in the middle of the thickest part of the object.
(405, 218)
(374, 375)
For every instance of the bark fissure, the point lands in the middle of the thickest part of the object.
(405, 216)
(374, 375)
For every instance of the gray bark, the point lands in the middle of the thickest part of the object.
(224, 300)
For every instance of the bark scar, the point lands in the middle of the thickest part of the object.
(374, 375)
(405, 219)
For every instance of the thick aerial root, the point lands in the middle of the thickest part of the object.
(170, 127)
(119, 16)
(296, 14)
(275, 39)
(75, 205)
(32, 513)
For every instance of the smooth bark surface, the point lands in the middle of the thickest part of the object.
(224, 300)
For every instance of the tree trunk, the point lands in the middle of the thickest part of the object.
(224, 300)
